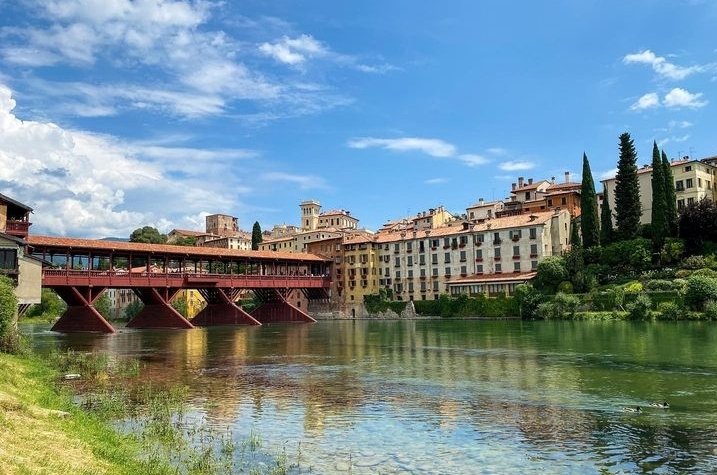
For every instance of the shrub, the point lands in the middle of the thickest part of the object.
(528, 298)
(640, 308)
(711, 310)
(694, 263)
(700, 289)
(627, 255)
(683, 273)
(659, 284)
(561, 306)
(9, 339)
(565, 287)
(633, 287)
(706, 272)
(680, 285)
(551, 272)
(669, 311)
(672, 251)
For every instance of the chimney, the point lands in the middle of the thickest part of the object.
(552, 180)
(512, 186)
(567, 177)
(520, 182)
(480, 201)
(530, 181)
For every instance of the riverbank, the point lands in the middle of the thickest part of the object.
(42, 431)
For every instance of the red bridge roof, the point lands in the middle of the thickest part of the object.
(120, 246)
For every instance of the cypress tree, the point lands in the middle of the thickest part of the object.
(588, 208)
(606, 233)
(670, 197)
(659, 203)
(627, 191)
(256, 236)
(575, 241)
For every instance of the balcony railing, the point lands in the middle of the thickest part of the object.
(17, 228)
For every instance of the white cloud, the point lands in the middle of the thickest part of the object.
(432, 147)
(661, 66)
(304, 182)
(679, 97)
(675, 139)
(648, 101)
(679, 124)
(497, 151)
(473, 160)
(435, 181)
(294, 51)
(511, 165)
(608, 174)
(93, 185)
(195, 71)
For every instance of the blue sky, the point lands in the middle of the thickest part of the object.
(119, 113)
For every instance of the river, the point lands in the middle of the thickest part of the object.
(436, 396)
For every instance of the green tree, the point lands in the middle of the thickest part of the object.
(659, 205)
(575, 240)
(9, 337)
(528, 299)
(50, 307)
(256, 236)
(551, 272)
(180, 305)
(671, 216)
(103, 305)
(131, 310)
(627, 191)
(148, 235)
(589, 225)
(698, 223)
(186, 241)
(606, 232)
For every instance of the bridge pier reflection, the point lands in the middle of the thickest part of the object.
(276, 308)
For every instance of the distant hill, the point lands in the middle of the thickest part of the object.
(115, 239)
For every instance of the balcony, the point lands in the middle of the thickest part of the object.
(17, 228)
(516, 258)
(497, 241)
(478, 243)
(533, 256)
(479, 259)
(515, 238)
(497, 259)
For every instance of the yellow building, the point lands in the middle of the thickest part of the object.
(694, 180)
(361, 263)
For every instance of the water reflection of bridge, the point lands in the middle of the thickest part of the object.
(80, 270)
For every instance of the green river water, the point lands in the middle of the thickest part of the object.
(436, 396)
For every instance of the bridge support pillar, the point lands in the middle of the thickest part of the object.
(81, 315)
(221, 310)
(275, 308)
(157, 311)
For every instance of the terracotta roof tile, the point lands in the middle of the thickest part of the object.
(116, 246)
(187, 232)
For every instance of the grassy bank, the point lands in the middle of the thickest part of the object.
(41, 431)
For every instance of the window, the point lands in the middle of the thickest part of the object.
(423, 272)
(448, 271)
(464, 240)
(533, 265)
(516, 267)
(410, 286)
(516, 251)
(479, 269)
(496, 238)
(527, 195)
(398, 274)
(563, 201)
(688, 183)
(435, 272)
(409, 261)
(8, 259)
(516, 234)
(496, 253)
(679, 185)
(688, 168)
(435, 288)
(434, 243)
(464, 270)
(479, 238)
(690, 201)
(410, 274)
(533, 250)
(397, 262)
(446, 243)
(533, 233)
(434, 258)
(409, 246)
(498, 268)
(479, 254)
(396, 247)
(463, 256)
(680, 204)
(550, 202)
(422, 259)
(447, 257)
(699, 183)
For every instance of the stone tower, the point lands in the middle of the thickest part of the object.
(310, 215)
